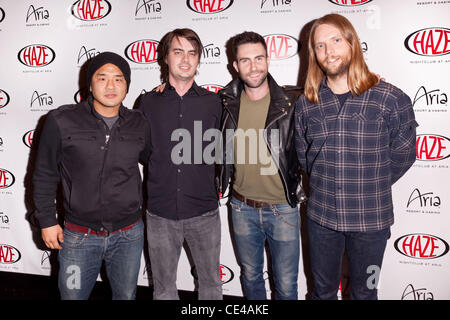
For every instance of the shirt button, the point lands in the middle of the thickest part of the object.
(102, 148)
(181, 116)
(179, 170)
(178, 189)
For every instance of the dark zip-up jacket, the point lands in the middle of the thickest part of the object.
(97, 167)
(280, 116)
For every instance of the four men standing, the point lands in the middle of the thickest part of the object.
(354, 136)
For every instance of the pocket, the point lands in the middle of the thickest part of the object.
(211, 213)
(134, 233)
(73, 239)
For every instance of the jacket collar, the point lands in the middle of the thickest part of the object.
(194, 88)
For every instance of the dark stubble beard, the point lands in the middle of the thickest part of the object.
(249, 85)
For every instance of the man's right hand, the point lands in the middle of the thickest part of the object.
(52, 236)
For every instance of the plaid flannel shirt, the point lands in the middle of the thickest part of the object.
(354, 153)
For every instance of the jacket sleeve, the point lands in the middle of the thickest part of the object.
(402, 127)
(46, 175)
(300, 141)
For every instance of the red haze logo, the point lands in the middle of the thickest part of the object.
(281, 46)
(212, 87)
(36, 55)
(349, 3)
(4, 98)
(91, 10)
(421, 246)
(429, 42)
(9, 254)
(6, 179)
(209, 6)
(28, 138)
(2, 14)
(430, 147)
(226, 274)
(142, 51)
(78, 96)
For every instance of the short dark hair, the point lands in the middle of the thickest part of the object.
(247, 37)
(166, 41)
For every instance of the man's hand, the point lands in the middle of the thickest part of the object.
(160, 88)
(52, 236)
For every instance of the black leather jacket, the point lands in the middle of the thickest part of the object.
(280, 116)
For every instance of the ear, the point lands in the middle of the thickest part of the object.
(235, 66)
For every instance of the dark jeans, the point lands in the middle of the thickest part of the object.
(165, 241)
(81, 256)
(365, 252)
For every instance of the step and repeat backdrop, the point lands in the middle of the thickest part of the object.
(45, 47)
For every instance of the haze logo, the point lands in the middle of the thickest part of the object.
(4, 98)
(78, 96)
(146, 7)
(208, 6)
(27, 138)
(37, 14)
(424, 200)
(421, 246)
(349, 3)
(91, 10)
(432, 97)
(85, 54)
(9, 254)
(281, 46)
(40, 100)
(410, 293)
(275, 3)
(431, 147)
(212, 87)
(2, 15)
(429, 42)
(7, 179)
(142, 51)
(36, 55)
(226, 274)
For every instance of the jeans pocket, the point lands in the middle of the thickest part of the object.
(134, 233)
(235, 204)
(73, 239)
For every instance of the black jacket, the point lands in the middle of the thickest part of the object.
(280, 116)
(97, 167)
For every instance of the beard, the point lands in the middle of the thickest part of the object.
(336, 71)
(255, 84)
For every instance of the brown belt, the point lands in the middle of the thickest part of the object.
(86, 230)
(252, 203)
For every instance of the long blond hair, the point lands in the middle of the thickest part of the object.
(359, 77)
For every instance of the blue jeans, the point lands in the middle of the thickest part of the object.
(280, 225)
(365, 252)
(81, 256)
(165, 241)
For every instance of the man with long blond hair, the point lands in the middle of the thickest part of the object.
(355, 137)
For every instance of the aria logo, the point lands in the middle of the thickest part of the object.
(421, 246)
(85, 54)
(208, 6)
(432, 97)
(349, 3)
(37, 14)
(424, 200)
(7, 179)
(431, 147)
(429, 42)
(27, 138)
(9, 254)
(40, 100)
(411, 293)
(91, 10)
(145, 7)
(4, 98)
(36, 55)
(142, 51)
(281, 46)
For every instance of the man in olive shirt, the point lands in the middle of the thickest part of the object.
(265, 170)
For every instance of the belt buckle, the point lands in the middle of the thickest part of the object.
(102, 233)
